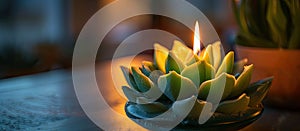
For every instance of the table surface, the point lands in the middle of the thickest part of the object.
(47, 101)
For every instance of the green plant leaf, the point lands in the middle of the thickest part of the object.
(253, 27)
(227, 64)
(173, 63)
(199, 72)
(243, 17)
(239, 12)
(256, 17)
(258, 90)
(197, 106)
(160, 56)
(242, 82)
(142, 81)
(254, 41)
(234, 106)
(173, 83)
(277, 22)
(294, 8)
(236, 12)
(224, 82)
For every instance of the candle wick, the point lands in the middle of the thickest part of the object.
(198, 52)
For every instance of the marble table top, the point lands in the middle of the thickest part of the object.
(47, 101)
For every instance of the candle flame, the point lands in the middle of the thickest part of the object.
(197, 46)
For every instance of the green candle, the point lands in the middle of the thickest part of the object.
(182, 76)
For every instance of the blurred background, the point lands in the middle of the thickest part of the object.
(38, 36)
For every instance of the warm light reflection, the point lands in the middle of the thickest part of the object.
(197, 46)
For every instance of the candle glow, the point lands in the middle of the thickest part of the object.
(197, 46)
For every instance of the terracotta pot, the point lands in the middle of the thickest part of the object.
(284, 65)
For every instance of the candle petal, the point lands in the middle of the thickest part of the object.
(242, 82)
(133, 95)
(150, 65)
(173, 63)
(160, 56)
(207, 56)
(199, 72)
(154, 107)
(173, 83)
(180, 106)
(145, 70)
(227, 64)
(129, 78)
(234, 106)
(224, 82)
(181, 51)
(216, 54)
(142, 81)
(149, 110)
(213, 55)
(195, 58)
(258, 91)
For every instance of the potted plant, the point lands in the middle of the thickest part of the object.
(268, 36)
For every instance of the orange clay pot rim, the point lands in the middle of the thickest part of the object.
(266, 49)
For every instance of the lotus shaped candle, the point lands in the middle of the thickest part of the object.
(178, 77)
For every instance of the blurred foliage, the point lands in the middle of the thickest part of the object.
(268, 23)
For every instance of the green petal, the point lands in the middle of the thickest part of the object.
(154, 76)
(133, 95)
(239, 66)
(242, 82)
(199, 72)
(149, 64)
(149, 110)
(173, 83)
(145, 70)
(160, 56)
(258, 90)
(234, 106)
(143, 82)
(217, 56)
(207, 56)
(224, 81)
(192, 60)
(173, 63)
(181, 51)
(227, 64)
(144, 100)
(154, 107)
(129, 78)
(197, 105)
(213, 55)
